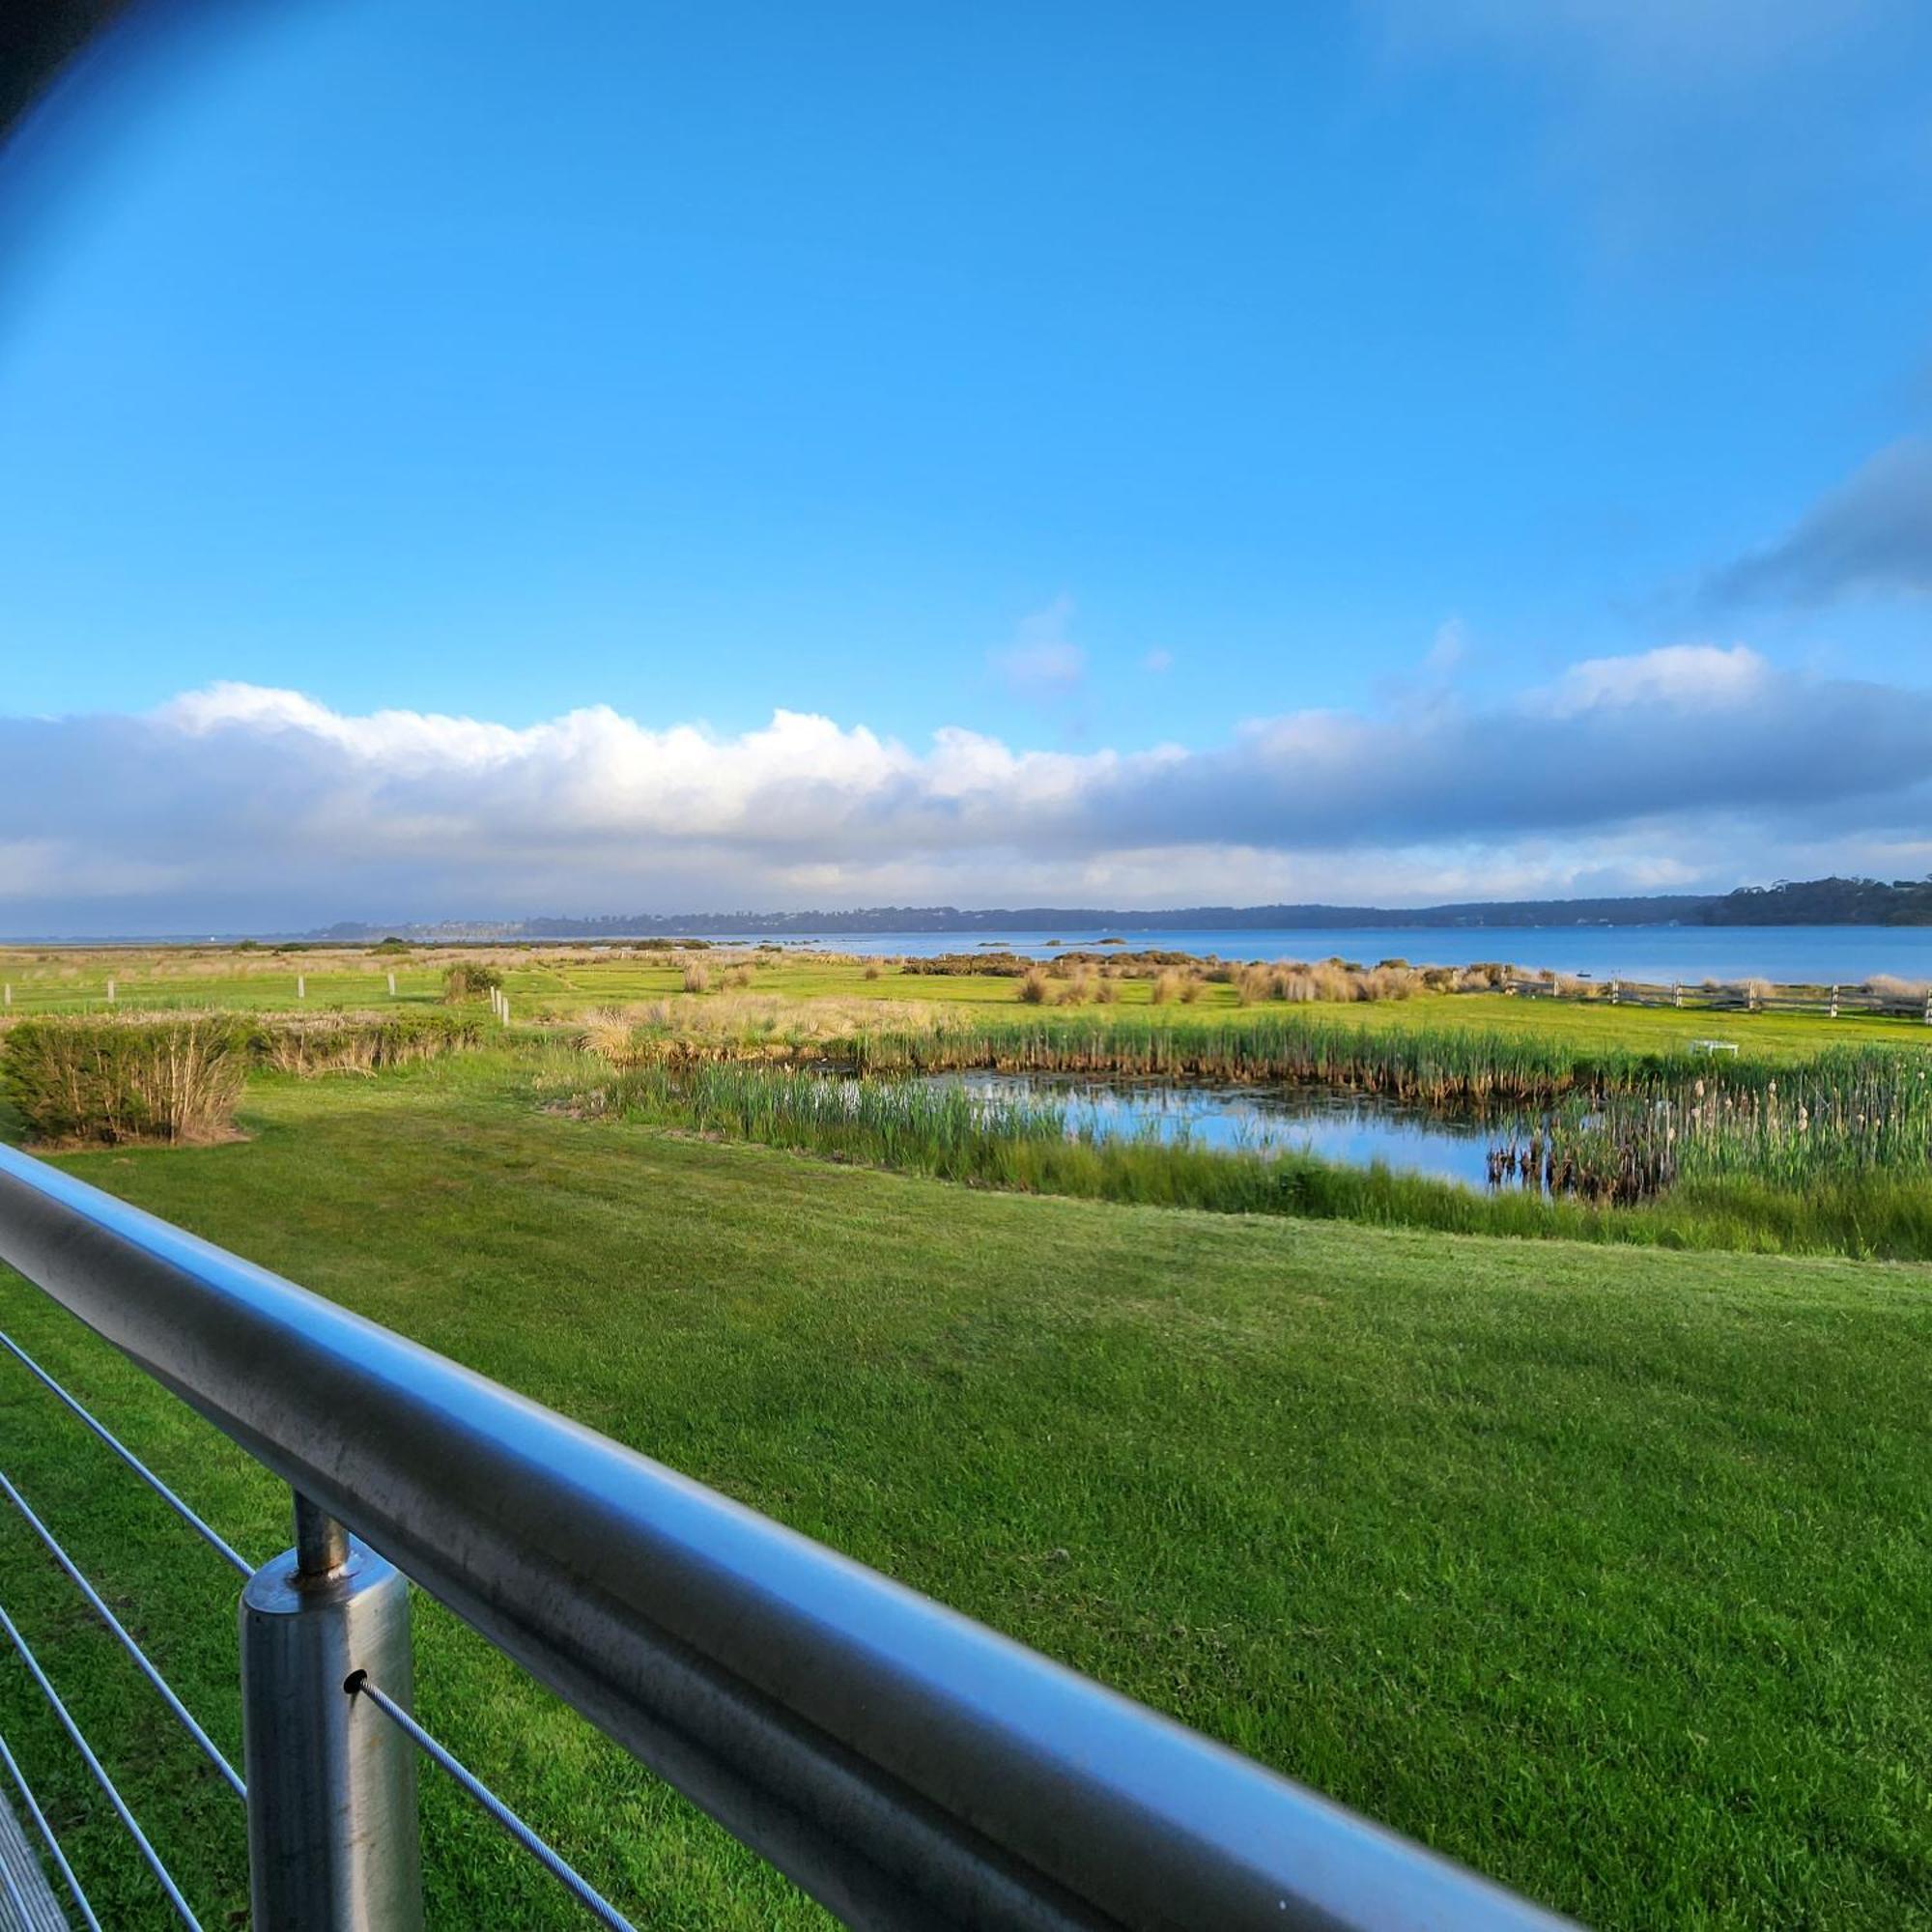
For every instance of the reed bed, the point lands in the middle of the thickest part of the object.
(1845, 1115)
(741, 1025)
(943, 1131)
(108, 1082)
(305, 1044)
(1448, 1068)
(940, 1131)
(1833, 1153)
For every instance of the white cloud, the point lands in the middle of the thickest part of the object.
(244, 807)
(1701, 677)
(1450, 646)
(1042, 659)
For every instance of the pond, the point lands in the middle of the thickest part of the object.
(1333, 1124)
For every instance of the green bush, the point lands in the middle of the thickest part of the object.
(469, 980)
(358, 1042)
(109, 1081)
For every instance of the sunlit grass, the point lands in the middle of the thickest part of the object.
(1608, 1569)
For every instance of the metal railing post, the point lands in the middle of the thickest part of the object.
(332, 1838)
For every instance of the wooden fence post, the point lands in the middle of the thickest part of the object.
(1676, 993)
(301, 986)
(110, 992)
(1834, 1003)
(1617, 992)
(393, 986)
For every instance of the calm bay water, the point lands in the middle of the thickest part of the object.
(1817, 954)
(1352, 1129)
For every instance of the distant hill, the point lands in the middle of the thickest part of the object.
(1047, 918)
(1825, 902)
(1810, 902)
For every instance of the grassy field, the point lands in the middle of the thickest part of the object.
(567, 983)
(1607, 1570)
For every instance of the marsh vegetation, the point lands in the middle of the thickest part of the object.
(842, 1241)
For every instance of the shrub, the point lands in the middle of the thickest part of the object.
(1033, 988)
(1166, 986)
(696, 980)
(1389, 983)
(469, 980)
(873, 970)
(111, 1081)
(1252, 984)
(358, 1042)
(1483, 976)
(607, 1033)
(992, 965)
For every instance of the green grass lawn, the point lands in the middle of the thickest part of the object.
(1608, 1571)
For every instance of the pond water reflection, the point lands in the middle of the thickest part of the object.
(1335, 1124)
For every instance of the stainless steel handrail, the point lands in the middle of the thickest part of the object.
(905, 1765)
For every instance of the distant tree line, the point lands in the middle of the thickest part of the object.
(1833, 901)
(1826, 902)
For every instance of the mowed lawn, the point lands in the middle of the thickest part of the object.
(1608, 1570)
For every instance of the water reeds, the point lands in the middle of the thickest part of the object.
(938, 1129)
(1605, 1128)
(1845, 1114)
(1446, 1067)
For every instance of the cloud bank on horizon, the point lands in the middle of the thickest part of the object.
(236, 807)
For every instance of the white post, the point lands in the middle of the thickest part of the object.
(301, 986)
(393, 986)
(9, 999)
(1676, 993)
(1834, 1003)
(110, 992)
(1617, 992)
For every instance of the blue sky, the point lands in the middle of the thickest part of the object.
(1127, 388)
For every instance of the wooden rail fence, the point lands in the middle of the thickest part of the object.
(1753, 996)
